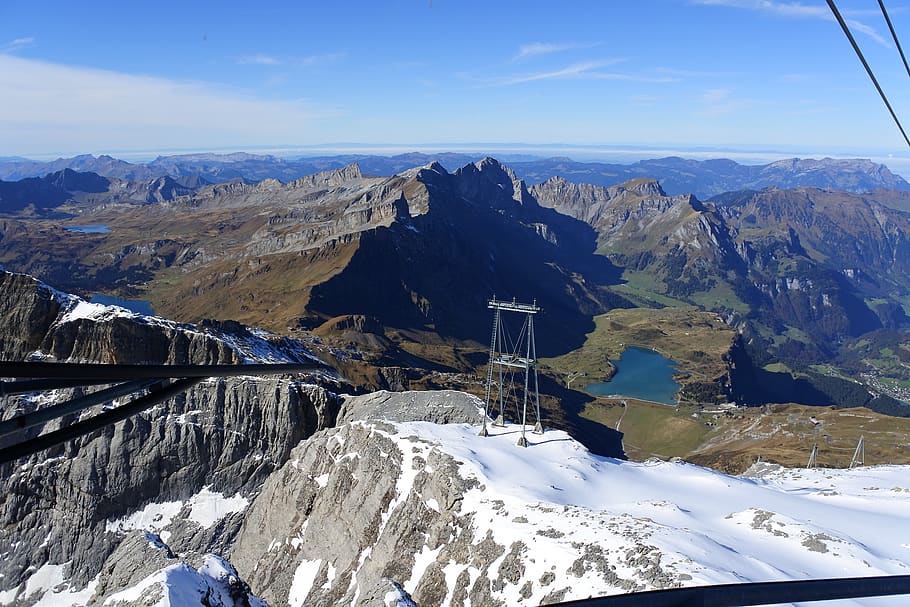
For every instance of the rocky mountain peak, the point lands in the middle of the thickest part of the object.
(644, 186)
(493, 169)
(75, 181)
(436, 168)
(331, 178)
(852, 174)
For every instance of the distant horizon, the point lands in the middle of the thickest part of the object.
(607, 153)
(748, 80)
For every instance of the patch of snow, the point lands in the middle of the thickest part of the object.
(181, 585)
(156, 541)
(48, 585)
(180, 577)
(208, 507)
(304, 577)
(396, 597)
(354, 584)
(330, 577)
(182, 418)
(69, 597)
(422, 560)
(322, 480)
(432, 504)
(83, 309)
(153, 517)
(45, 578)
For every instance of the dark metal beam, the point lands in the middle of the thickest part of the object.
(760, 593)
(116, 372)
(24, 386)
(57, 437)
(46, 414)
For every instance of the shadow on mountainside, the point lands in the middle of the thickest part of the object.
(438, 270)
(566, 415)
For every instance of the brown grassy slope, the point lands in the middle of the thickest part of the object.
(732, 441)
(696, 341)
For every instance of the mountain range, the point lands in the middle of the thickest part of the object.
(401, 267)
(676, 175)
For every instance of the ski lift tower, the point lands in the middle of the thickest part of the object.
(506, 355)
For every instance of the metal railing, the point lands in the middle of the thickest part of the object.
(159, 382)
(757, 593)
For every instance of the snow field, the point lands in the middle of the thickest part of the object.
(662, 523)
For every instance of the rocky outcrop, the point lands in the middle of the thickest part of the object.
(227, 435)
(327, 179)
(26, 313)
(68, 507)
(145, 571)
(439, 407)
(350, 476)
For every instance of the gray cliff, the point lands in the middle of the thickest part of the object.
(222, 438)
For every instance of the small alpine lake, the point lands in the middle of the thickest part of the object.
(91, 228)
(140, 306)
(641, 373)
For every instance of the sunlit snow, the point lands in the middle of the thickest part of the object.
(700, 525)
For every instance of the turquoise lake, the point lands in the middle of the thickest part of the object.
(641, 373)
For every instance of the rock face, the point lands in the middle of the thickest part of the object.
(69, 507)
(439, 407)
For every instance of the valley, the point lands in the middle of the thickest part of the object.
(396, 269)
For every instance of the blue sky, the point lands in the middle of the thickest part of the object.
(142, 77)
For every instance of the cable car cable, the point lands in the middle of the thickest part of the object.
(859, 54)
(894, 36)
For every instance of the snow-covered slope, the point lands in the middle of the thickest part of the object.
(551, 522)
(789, 524)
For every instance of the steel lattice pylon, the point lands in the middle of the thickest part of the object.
(501, 359)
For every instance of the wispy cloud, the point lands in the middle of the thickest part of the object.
(319, 60)
(19, 43)
(679, 73)
(576, 70)
(305, 61)
(713, 96)
(51, 106)
(588, 70)
(716, 101)
(798, 9)
(536, 49)
(258, 59)
(868, 30)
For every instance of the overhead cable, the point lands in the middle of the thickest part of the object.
(894, 36)
(859, 54)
